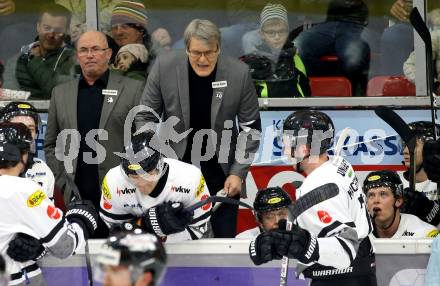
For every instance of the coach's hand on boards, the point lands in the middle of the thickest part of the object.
(84, 214)
(24, 247)
(167, 218)
(418, 204)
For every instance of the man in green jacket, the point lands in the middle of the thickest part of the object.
(47, 62)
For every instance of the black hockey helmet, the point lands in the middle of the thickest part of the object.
(140, 252)
(271, 199)
(140, 156)
(384, 178)
(15, 139)
(20, 108)
(299, 127)
(423, 130)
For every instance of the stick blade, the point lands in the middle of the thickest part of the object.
(395, 121)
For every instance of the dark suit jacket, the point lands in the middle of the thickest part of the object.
(167, 93)
(63, 115)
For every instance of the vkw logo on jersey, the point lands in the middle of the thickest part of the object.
(36, 198)
(180, 189)
(324, 217)
(125, 191)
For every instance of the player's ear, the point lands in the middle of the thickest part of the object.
(399, 202)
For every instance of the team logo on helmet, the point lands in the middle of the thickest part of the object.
(134, 167)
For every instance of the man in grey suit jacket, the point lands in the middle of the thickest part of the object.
(99, 100)
(206, 91)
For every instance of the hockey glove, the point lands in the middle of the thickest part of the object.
(418, 204)
(297, 243)
(167, 218)
(84, 214)
(25, 247)
(431, 160)
(262, 249)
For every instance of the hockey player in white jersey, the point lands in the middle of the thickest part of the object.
(153, 191)
(128, 259)
(270, 206)
(36, 170)
(329, 240)
(383, 190)
(31, 224)
(423, 202)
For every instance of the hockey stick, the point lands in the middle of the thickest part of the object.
(340, 144)
(396, 122)
(314, 197)
(421, 29)
(217, 199)
(77, 195)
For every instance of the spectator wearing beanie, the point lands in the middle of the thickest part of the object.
(129, 24)
(275, 67)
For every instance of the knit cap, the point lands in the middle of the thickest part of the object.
(137, 50)
(130, 12)
(273, 11)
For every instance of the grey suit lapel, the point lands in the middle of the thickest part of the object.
(71, 104)
(114, 92)
(218, 93)
(182, 79)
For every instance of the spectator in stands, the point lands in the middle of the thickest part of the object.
(7, 7)
(207, 91)
(132, 61)
(340, 34)
(129, 23)
(409, 67)
(398, 34)
(383, 190)
(270, 206)
(99, 99)
(48, 61)
(276, 69)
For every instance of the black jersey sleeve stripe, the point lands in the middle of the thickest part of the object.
(346, 248)
(53, 232)
(192, 234)
(333, 226)
(202, 217)
(116, 216)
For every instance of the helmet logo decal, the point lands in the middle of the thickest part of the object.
(373, 178)
(134, 167)
(274, 201)
(24, 105)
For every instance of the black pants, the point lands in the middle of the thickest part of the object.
(224, 219)
(367, 280)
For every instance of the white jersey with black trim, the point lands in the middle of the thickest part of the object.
(340, 223)
(41, 174)
(25, 208)
(428, 187)
(249, 234)
(121, 201)
(411, 226)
